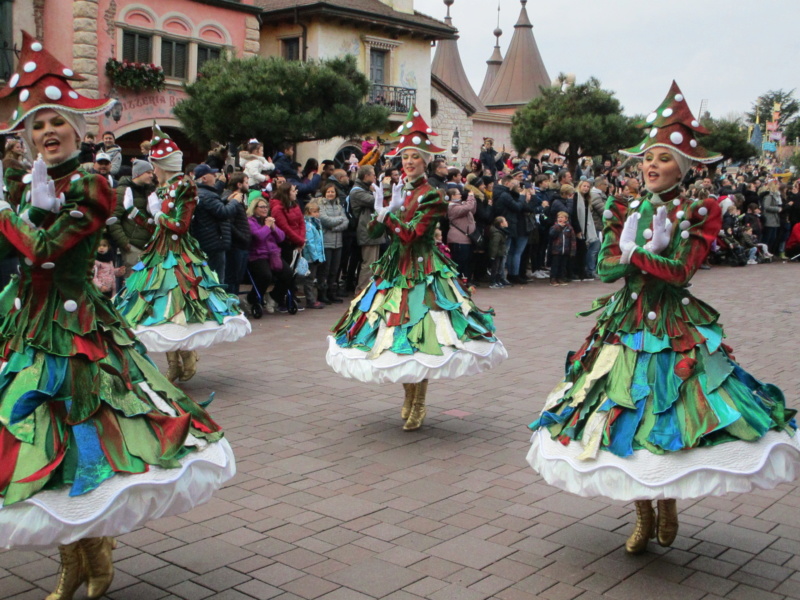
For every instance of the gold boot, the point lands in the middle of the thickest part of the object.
(667, 521)
(645, 527)
(417, 415)
(410, 389)
(99, 564)
(73, 572)
(189, 358)
(173, 366)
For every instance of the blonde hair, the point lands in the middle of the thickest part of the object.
(566, 190)
(310, 207)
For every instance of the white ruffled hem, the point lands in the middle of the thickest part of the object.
(170, 337)
(118, 505)
(729, 468)
(390, 367)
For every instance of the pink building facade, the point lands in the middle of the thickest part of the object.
(176, 35)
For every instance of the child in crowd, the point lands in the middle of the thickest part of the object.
(368, 144)
(562, 246)
(314, 253)
(498, 234)
(105, 273)
(437, 237)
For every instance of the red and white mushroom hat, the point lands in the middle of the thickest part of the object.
(672, 125)
(413, 133)
(42, 81)
(161, 145)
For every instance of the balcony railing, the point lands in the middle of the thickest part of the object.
(398, 99)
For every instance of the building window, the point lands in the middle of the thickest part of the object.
(137, 47)
(206, 53)
(291, 48)
(378, 61)
(174, 58)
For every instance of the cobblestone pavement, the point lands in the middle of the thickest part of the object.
(332, 501)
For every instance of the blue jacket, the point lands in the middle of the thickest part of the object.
(314, 250)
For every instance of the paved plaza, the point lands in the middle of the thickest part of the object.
(333, 501)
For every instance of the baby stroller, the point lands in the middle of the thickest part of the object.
(290, 299)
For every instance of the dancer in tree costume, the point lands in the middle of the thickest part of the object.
(173, 299)
(653, 405)
(94, 441)
(414, 321)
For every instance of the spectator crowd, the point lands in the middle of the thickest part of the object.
(296, 235)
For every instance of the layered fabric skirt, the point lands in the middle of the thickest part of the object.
(174, 300)
(413, 322)
(654, 405)
(98, 447)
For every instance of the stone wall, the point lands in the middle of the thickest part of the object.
(85, 15)
(449, 116)
(252, 34)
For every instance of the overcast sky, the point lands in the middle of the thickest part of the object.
(725, 51)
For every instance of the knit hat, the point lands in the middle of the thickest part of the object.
(673, 126)
(41, 81)
(165, 151)
(413, 133)
(140, 167)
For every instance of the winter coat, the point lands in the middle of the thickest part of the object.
(240, 228)
(497, 241)
(132, 227)
(566, 205)
(334, 221)
(772, 210)
(362, 204)
(265, 243)
(461, 216)
(115, 152)
(87, 153)
(314, 250)
(598, 207)
(512, 206)
(306, 188)
(211, 225)
(562, 240)
(290, 220)
(489, 160)
(105, 277)
(283, 164)
(253, 165)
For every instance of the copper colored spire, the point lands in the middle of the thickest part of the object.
(522, 72)
(449, 69)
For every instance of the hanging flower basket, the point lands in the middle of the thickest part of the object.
(137, 77)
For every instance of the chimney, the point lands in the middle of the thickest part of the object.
(403, 6)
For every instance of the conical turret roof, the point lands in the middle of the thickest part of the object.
(494, 62)
(522, 73)
(447, 66)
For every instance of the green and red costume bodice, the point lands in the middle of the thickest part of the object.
(654, 376)
(173, 285)
(80, 401)
(414, 307)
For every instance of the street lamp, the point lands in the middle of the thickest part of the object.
(115, 111)
(456, 141)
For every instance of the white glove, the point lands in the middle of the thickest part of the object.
(127, 200)
(377, 193)
(43, 189)
(627, 239)
(662, 232)
(397, 197)
(153, 204)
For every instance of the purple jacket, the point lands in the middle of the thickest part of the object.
(265, 243)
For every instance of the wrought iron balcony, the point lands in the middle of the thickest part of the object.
(398, 99)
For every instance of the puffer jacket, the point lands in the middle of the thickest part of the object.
(211, 225)
(334, 221)
(240, 228)
(290, 220)
(314, 250)
(252, 166)
(462, 217)
(132, 227)
(265, 244)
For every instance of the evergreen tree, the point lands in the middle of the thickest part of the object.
(790, 107)
(729, 138)
(578, 120)
(276, 100)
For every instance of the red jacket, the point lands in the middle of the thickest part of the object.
(290, 221)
